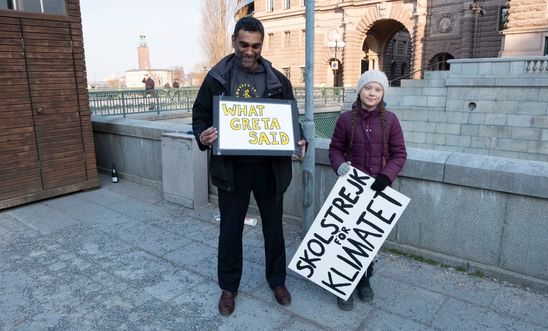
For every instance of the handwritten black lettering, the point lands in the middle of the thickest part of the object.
(339, 203)
(363, 220)
(323, 224)
(379, 213)
(342, 194)
(300, 266)
(329, 212)
(353, 253)
(335, 286)
(318, 244)
(358, 181)
(310, 263)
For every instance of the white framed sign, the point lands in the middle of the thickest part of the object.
(347, 233)
(255, 126)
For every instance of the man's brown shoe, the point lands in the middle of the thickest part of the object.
(226, 303)
(282, 295)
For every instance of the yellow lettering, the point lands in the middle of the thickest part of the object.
(284, 138)
(275, 125)
(242, 110)
(255, 124)
(260, 108)
(274, 141)
(263, 139)
(253, 140)
(234, 124)
(228, 110)
(245, 124)
(252, 111)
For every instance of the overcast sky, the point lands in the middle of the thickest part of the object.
(112, 29)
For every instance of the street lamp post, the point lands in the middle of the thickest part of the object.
(335, 44)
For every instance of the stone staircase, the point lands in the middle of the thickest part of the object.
(429, 92)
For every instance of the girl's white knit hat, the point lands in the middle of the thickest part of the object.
(372, 76)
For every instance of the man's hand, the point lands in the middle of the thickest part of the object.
(208, 136)
(300, 157)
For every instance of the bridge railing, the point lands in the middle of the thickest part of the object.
(124, 102)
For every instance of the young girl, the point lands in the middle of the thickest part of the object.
(370, 139)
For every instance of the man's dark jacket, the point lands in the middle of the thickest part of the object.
(217, 82)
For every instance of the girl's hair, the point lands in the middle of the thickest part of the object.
(384, 125)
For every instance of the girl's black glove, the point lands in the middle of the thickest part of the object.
(381, 182)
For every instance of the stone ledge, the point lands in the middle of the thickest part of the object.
(136, 128)
(522, 177)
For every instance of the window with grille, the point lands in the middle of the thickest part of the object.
(287, 72)
(287, 39)
(503, 17)
(287, 4)
(270, 40)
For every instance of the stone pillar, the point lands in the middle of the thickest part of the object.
(418, 37)
(184, 170)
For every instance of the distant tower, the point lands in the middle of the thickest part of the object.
(143, 53)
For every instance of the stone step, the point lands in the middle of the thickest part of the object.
(436, 74)
(420, 91)
(423, 83)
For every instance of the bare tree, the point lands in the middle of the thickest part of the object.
(216, 16)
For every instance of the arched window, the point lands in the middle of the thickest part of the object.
(439, 62)
(393, 70)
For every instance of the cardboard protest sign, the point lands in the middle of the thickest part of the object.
(347, 233)
(255, 126)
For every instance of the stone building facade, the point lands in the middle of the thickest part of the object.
(399, 37)
(527, 29)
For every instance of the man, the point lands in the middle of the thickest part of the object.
(245, 74)
(149, 82)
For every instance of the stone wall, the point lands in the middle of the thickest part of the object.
(479, 212)
(493, 107)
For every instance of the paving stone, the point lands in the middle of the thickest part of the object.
(13, 229)
(310, 301)
(446, 281)
(397, 297)
(42, 218)
(201, 259)
(526, 305)
(150, 238)
(120, 259)
(171, 286)
(456, 315)
(381, 320)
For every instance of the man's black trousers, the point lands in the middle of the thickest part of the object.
(256, 177)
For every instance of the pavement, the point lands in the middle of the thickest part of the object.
(122, 258)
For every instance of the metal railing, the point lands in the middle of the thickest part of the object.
(321, 94)
(124, 102)
(409, 74)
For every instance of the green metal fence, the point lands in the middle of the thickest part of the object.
(124, 102)
(324, 122)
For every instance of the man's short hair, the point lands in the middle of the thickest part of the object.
(250, 24)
